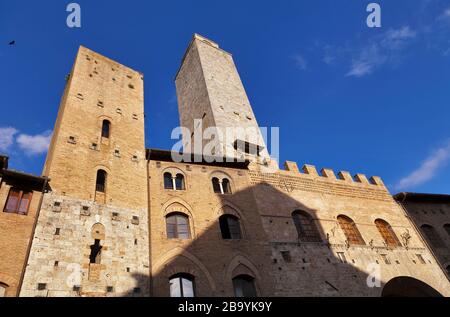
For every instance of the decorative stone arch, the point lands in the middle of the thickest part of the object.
(98, 231)
(227, 207)
(239, 265)
(158, 266)
(103, 167)
(408, 286)
(177, 204)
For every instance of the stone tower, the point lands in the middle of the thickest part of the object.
(211, 94)
(93, 228)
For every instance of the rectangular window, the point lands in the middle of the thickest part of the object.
(286, 256)
(421, 259)
(385, 259)
(342, 257)
(18, 201)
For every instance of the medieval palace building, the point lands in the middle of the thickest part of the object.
(109, 217)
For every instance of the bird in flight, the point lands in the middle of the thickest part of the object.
(12, 42)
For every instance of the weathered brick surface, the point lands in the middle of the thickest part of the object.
(15, 236)
(99, 89)
(436, 215)
(212, 260)
(316, 266)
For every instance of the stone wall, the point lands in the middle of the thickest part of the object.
(60, 254)
(332, 267)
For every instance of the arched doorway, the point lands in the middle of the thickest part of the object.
(408, 287)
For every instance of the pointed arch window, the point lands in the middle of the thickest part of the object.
(388, 234)
(100, 184)
(230, 227)
(447, 228)
(432, 236)
(106, 129)
(244, 286)
(350, 230)
(306, 228)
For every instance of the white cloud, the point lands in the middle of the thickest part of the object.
(300, 62)
(368, 59)
(34, 144)
(427, 170)
(385, 49)
(6, 137)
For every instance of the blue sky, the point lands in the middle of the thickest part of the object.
(345, 96)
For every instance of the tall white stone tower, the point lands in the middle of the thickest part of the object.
(211, 95)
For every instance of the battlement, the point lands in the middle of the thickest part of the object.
(327, 173)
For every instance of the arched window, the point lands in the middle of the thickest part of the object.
(3, 288)
(230, 228)
(350, 230)
(432, 236)
(178, 226)
(168, 183)
(174, 183)
(306, 228)
(244, 286)
(216, 185)
(182, 285)
(388, 234)
(96, 252)
(101, 181)
(179, 182)
(226, 186)
(221, 186)
(447, 228)
(106, 129)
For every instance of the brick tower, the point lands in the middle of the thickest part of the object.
(92, 231)
(211, 94)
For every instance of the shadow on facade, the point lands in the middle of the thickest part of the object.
(270, 253)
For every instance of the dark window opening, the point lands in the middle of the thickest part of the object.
(96, 251)
(244, 286)
(230, 228)
(216, 185)
(447, 229)
(226, 186)
(432, 236)
(42, 286)
(179, 182)
(106, 129)
(101, 181)
(286, 256)
(168, 182)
